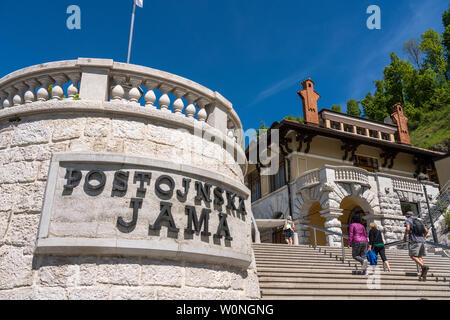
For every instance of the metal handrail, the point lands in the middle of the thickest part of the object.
(434, 244)
(439, 245)
(343, 236)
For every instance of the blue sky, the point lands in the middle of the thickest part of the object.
(254, 52)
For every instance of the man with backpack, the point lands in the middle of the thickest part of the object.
(417, 232)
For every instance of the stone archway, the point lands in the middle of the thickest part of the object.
(350, 208)
(307, 207)
(315, 219)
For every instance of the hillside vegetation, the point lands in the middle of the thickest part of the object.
(421, 84)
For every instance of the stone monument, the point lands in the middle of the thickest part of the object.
(120, 181)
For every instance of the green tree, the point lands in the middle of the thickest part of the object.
(446, 39)
(412, 49)
(431, 46)
(291, 117)
(336, 108)
(421, 85)
(353, 108)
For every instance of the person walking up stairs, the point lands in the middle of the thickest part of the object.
(415, 234)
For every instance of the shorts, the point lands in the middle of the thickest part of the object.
(288, 234)
(417, 249)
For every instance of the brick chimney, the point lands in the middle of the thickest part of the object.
(309, 98)
(402, 124)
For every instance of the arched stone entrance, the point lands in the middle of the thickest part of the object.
(350, 209)
(315, 219)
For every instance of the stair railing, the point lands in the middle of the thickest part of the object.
(439, 245)
(433, 244)
(342, 236)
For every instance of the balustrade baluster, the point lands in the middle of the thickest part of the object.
(178, 104)
(150, 97)
(135, 92)
(190, 109)
(231, 134)
(18, 97)
(30, 95)
(231, 130)
(57, 90)
(42, 93)
(118, 92)
(9, 100)
(164, 100)
(73, 90)
(3, 96)
(202, 115)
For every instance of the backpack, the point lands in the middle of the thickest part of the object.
(418, 228)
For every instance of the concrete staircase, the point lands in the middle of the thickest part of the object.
(302, 273)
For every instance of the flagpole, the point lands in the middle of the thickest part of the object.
(131, 31)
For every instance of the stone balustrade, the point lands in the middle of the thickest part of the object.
(405, 184)
(351, 174)
(109, 81)
(333, 174)
(310, 178)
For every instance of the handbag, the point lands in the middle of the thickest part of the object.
(372, 258)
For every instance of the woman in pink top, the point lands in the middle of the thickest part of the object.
(358, 241)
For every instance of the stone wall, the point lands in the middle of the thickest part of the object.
(271, 206)
(26, 147)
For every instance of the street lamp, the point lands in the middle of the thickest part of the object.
(423, 177)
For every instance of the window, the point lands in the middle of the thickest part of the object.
(335, 125)
(278, 180)
(361, 131)
(254, 182)
(373, 134)
(410, 206)
(348, 128)
(367, 163)
(385, 136)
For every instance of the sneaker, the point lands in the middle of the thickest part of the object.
(424, 273)
(365, 265)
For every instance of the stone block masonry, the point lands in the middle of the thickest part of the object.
(35, 127)
(26, 155)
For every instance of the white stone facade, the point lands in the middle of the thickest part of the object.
(378, 194)
(31, 133)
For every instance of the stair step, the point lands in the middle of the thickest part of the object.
(347, 253)
(355, 293)
(338, 277)
(341, 266)
(302, 272)
(350, 286)
(333, 261)
(279, 282)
